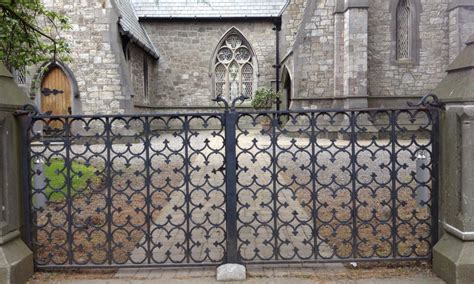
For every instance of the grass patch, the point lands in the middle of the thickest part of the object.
(83, 176)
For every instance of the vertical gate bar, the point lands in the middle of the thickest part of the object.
(108, 203)
(274, 182)
(26, 126)
(435, 174)
(148, 199)
(313, 183)
(68, 164)
(353, 138)
(187, 199)
(230, 120)
(393, 176)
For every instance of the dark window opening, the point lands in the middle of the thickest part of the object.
(145, 80)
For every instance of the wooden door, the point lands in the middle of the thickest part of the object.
(56, 93)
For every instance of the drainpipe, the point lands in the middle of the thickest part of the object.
(277, 65)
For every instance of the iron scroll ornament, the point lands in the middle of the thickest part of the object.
(429, 100)
(31, 108)
(34, 110)
(220, 99)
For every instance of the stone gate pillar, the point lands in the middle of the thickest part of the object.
(453, 255)
(16, 260)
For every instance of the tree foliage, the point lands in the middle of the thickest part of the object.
(30, 33)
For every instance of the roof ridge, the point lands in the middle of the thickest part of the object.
(209, 8)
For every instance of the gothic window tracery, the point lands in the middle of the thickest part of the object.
(234, 72)
(404, 23)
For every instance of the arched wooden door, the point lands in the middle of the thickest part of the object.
(56, 92)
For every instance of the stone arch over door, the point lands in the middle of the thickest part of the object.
(55, 89)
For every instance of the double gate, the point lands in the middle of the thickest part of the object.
(245, 187)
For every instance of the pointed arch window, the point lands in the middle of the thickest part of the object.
(404, 28)
(234, 67)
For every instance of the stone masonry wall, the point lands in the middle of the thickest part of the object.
(137, 73)
(184, 70)
(388, 78)
(97, 60)
(290, 24)
(313, 53)
(182, 77)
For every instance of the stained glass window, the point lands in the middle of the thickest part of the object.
(234, 72)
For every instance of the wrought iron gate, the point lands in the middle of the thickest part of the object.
(247, 187)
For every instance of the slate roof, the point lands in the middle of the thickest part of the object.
(208, 8)
(458, 85)
(131, 27)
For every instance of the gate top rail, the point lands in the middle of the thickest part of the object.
(414, 107)
(428, 102)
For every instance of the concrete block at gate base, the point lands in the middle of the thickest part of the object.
(453, 260)
(15, 262)
(231, 272)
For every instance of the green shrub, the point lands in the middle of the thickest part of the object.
(263, 98)
(56, 171)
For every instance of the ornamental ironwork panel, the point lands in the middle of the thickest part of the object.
(247, 187)
(335, 186)
(127, 191)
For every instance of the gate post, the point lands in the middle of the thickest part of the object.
(16, 259)
(232, 270)
(231, 186)
(453, 255)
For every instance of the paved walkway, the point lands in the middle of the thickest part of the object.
(327, 273)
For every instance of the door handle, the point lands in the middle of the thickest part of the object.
(69, 110)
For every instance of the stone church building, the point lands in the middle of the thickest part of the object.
(156, 56)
